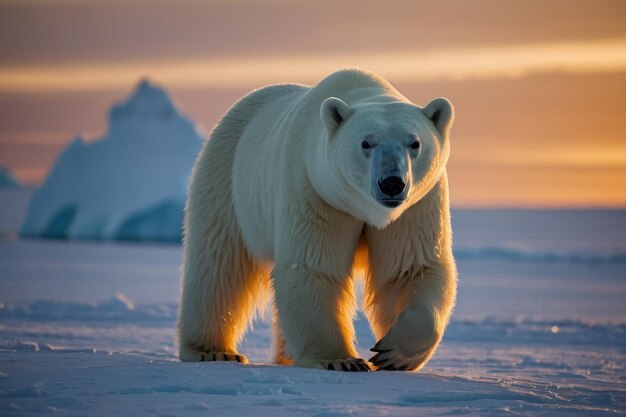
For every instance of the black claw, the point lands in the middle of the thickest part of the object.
(344, 367)
(202, 357)
(238, 358)
(214, 358)
(354, 367)
(331, 367)
(375, 349)
(364, 367)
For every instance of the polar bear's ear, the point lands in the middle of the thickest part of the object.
(441, 113)
(334, 112)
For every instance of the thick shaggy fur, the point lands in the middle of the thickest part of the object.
(280, 199)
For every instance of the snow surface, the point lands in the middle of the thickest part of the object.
(128, 185)
(539, 329)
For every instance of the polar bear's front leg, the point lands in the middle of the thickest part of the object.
(417, 330)
(314, 293)
(315, 311)
(411, 283)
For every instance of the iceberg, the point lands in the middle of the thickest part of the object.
(8, 179)
(129, 185)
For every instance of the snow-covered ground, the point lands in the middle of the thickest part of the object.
(539, 329)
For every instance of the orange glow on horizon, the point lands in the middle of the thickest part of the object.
(250, 71)
(537, 188)
(539, 124)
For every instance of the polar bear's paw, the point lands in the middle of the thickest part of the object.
(346, 365)
(211, 356)
(222, 356)
(409, 343)
(396, 360)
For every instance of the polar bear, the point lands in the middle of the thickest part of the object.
(297, 188)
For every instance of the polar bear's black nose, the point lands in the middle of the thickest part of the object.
(391, 186)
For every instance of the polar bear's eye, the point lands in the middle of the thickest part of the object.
(415, 144)
(365, 145)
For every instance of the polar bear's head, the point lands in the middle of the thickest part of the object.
(388, 154)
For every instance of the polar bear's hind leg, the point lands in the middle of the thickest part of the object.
(222, 285)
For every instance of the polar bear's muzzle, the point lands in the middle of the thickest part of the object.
(392, 187)
(389, 174)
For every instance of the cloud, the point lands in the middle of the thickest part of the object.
(253, 71)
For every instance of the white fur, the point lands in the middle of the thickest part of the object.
(283, 183)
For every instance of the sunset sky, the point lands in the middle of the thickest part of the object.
(539, 86)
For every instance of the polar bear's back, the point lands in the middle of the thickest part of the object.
(343, 81)
(261, 115)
